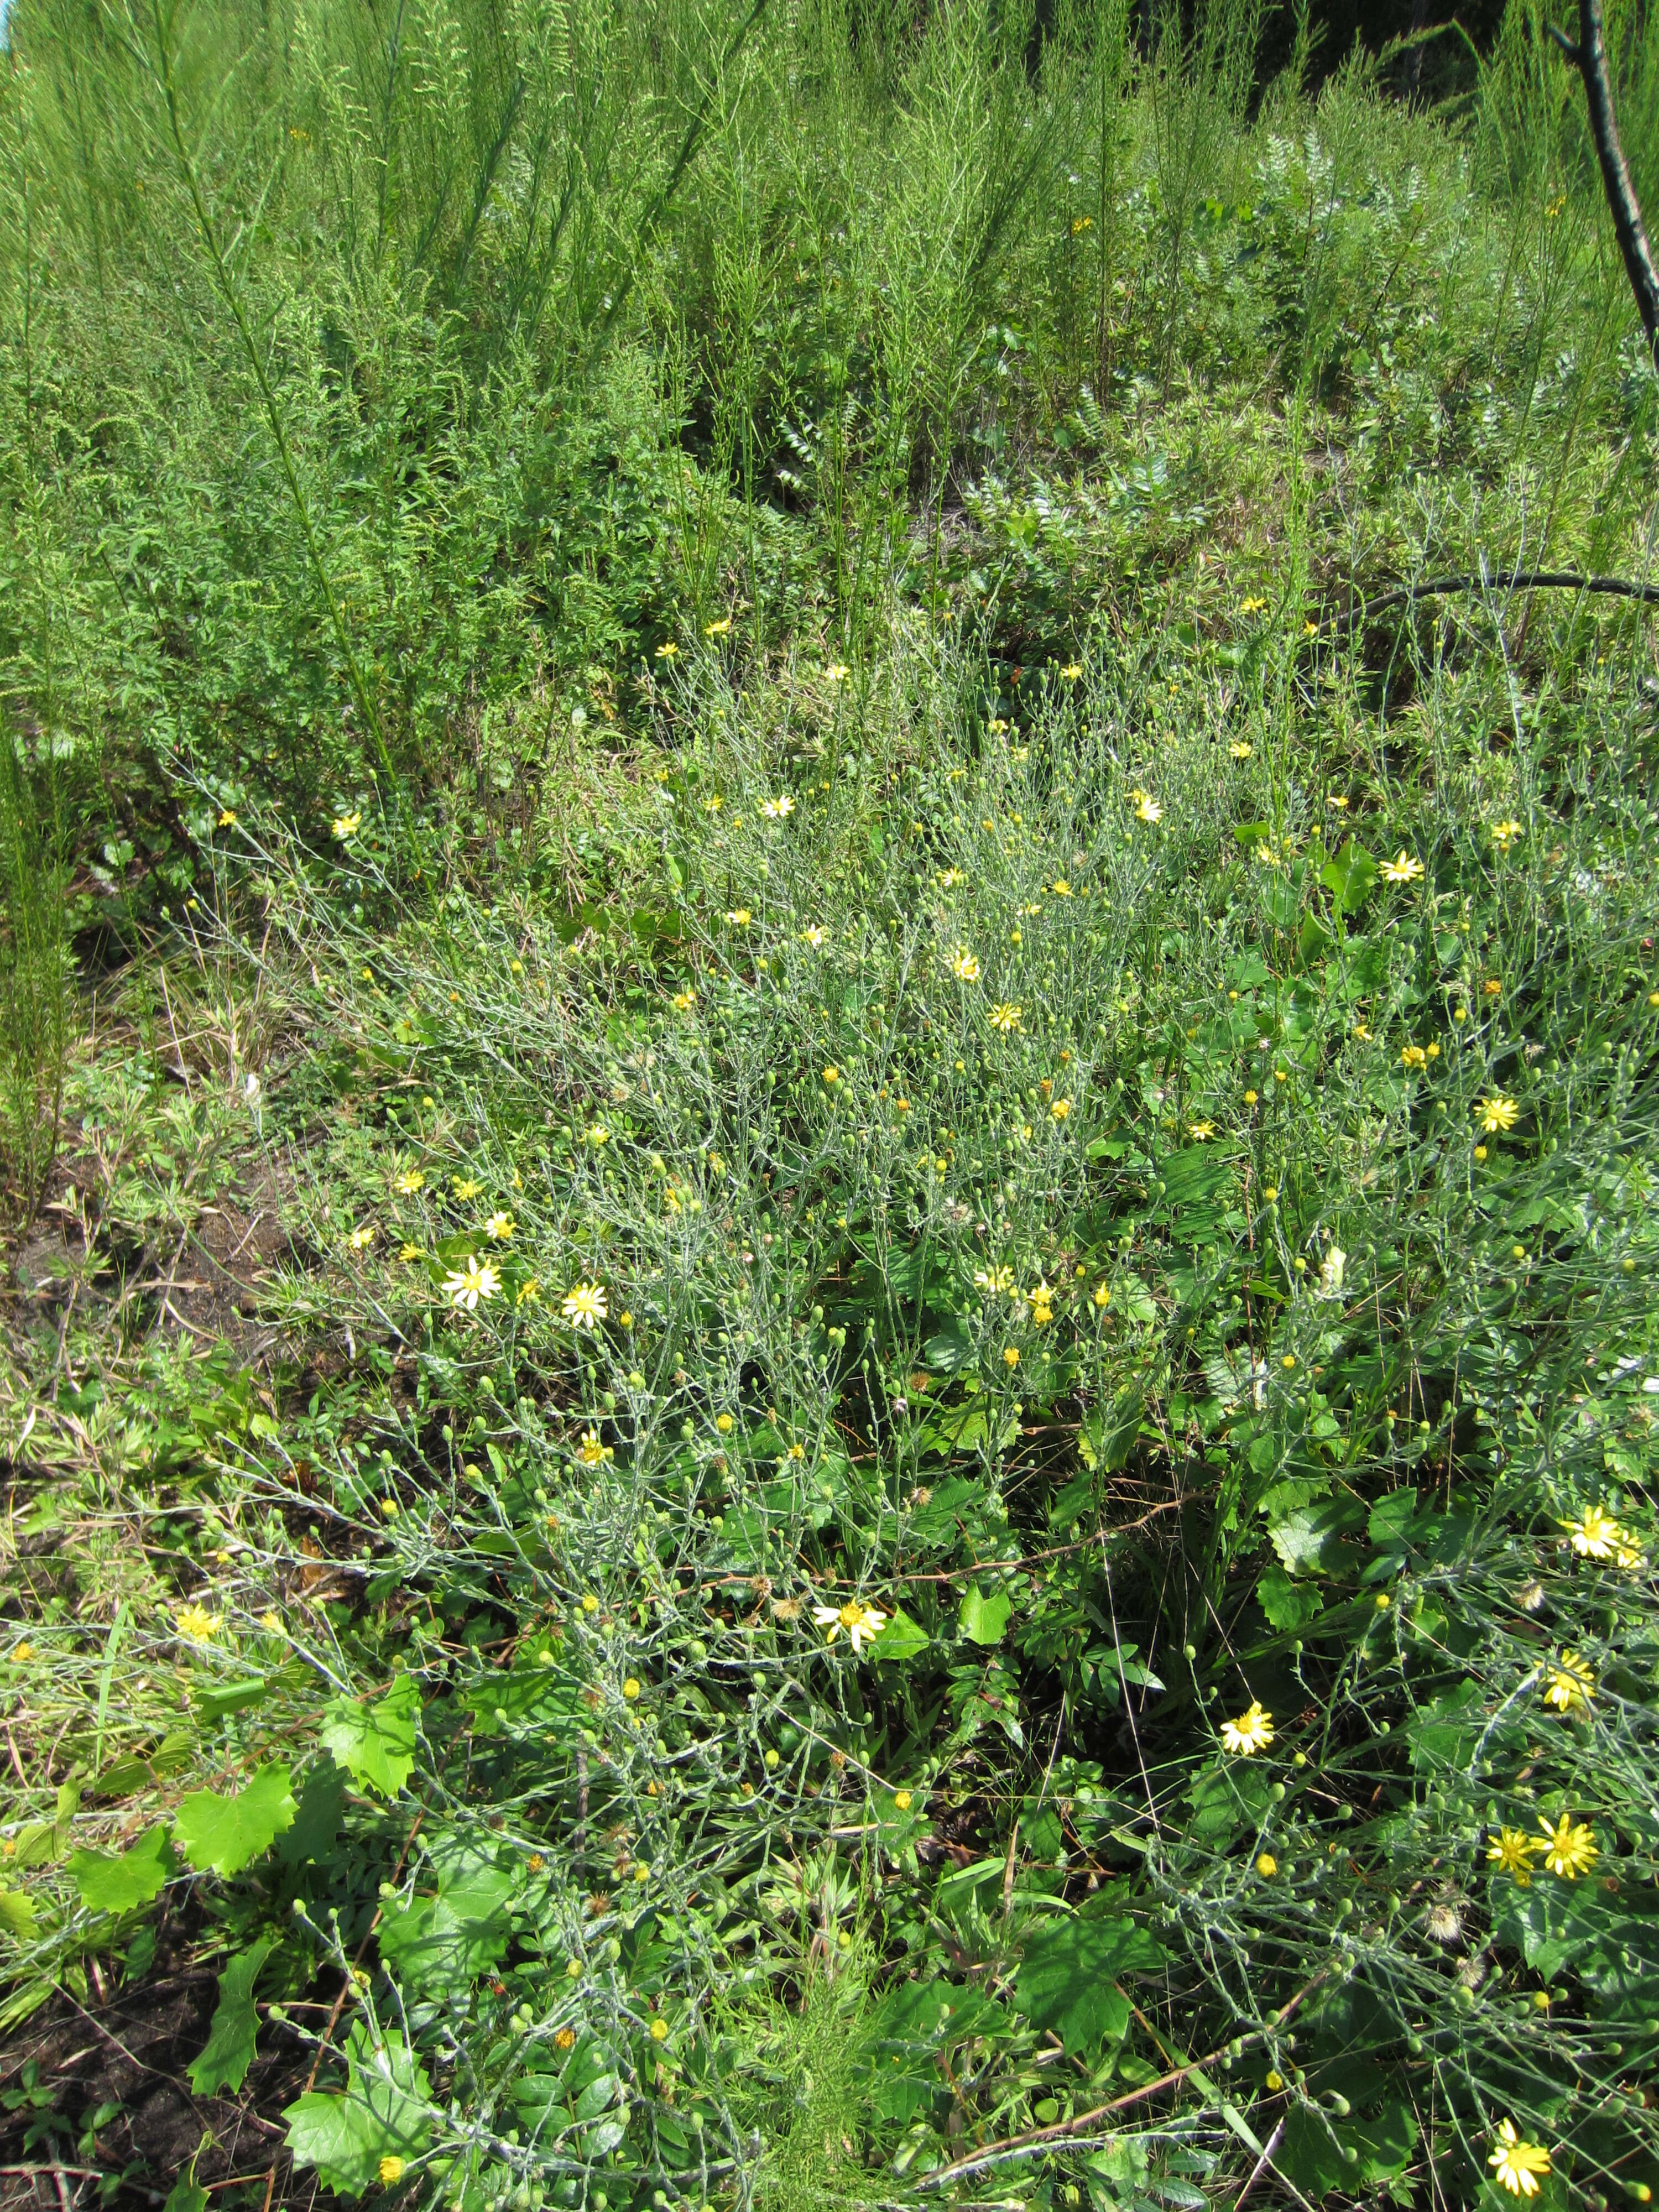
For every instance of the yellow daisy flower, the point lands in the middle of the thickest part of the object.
(585, 1305)
(855, 1620)
(1570, 1848)
(1516, 2163)
(1511, 1849)
(466, 1286)
(1595, 1534)
(1251, 1732)
(1570, 1684)
(1404, 868)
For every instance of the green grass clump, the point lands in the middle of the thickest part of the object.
(839, 1382)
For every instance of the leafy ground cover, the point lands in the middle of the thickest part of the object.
(830, 1369)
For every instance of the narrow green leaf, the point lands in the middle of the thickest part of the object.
(229, 2052)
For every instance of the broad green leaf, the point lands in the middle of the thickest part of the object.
(381, 2115)
(1308, 1537)
(188, 2195)
(901, 1637)
(1313, 2156)
(1445, 1732)
(1227, 1800)
(1349, 877)
(17, 1914)
(1287, 1605)
(985, 1620)
(224, 1833)
(540, 1690)
(117, 1881)
(1067, 1979)
(229, 2052)
(1313, 941)
(1278, 901)
(318, 1821)
(597, 2097)
(375, 1743)
(441, 1944)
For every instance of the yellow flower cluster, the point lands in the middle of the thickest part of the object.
(1566, 1850)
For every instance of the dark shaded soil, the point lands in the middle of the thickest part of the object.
(204, 1281)
(132, 2052)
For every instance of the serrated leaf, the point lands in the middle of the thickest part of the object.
(17, 1914)
(117, 1881)
(375, 1743)
(380, 2114)
(1288, 1606)
(223, 1834)
(984, 1619)
(1067, 1979)
(228, 2052)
